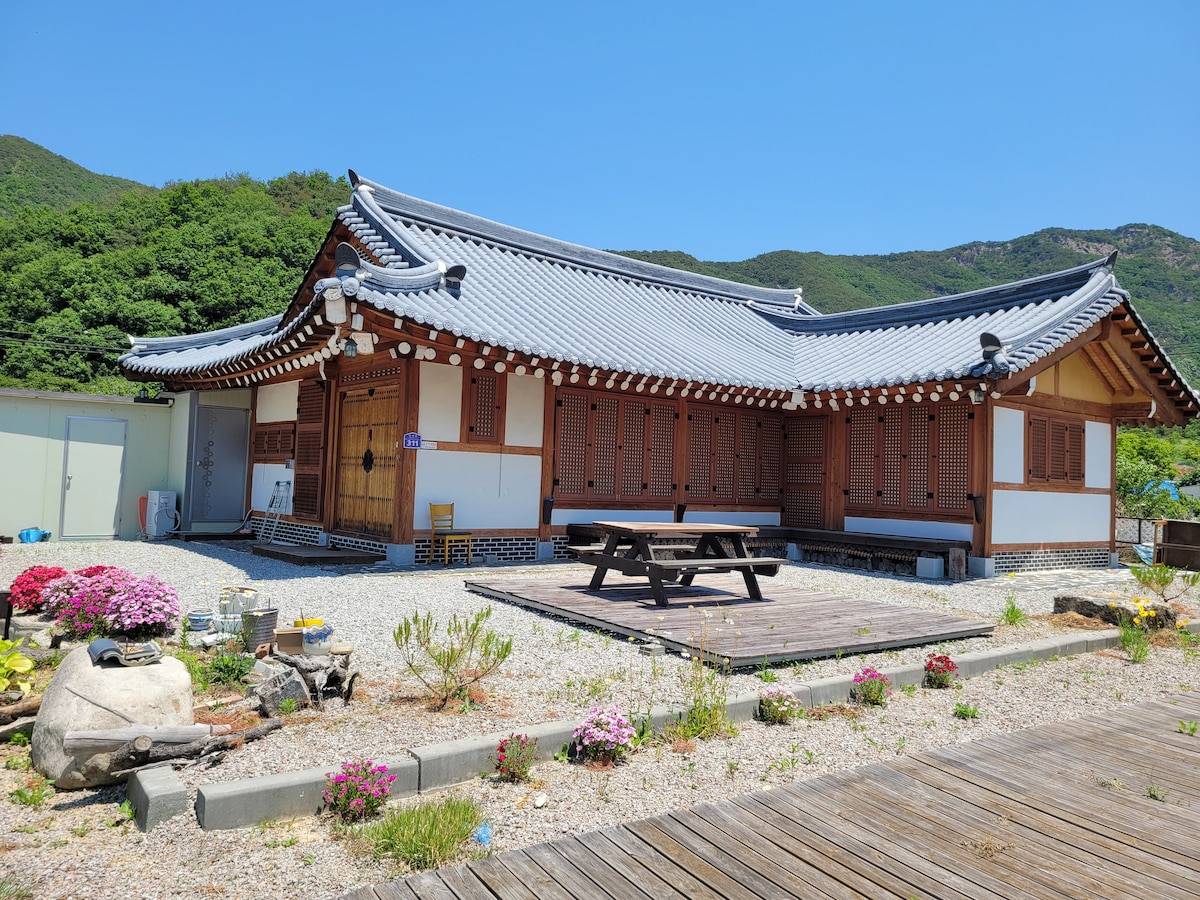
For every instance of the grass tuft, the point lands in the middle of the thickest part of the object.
(424, 836)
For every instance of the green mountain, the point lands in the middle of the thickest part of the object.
(86, 259)
(1160, 269)
(33, 176)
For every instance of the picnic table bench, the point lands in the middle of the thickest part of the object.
(633, 548)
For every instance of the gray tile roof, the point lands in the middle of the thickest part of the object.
(556, 300)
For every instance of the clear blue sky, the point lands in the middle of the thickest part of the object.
(724, 130)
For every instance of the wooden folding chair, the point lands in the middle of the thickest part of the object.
(444, 532)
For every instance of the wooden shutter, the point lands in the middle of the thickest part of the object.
(700, 439)
(724, 461)
(1075, 461)
(572, 450)
(308, 478)
(891, 456)
(606, 424)
(634, 415)
(1039, 441)
(861, 481)
(483, 407)
(918, 457)
(661, 456)
(274, 443)
(747, 457)
(770, 452)
(953, 437)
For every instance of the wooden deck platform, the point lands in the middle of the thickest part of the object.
(1056, 812)
(716, 616)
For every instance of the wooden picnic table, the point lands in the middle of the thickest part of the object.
(676, 561)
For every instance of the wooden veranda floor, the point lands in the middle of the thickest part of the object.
(1051, 812)
(715, 616)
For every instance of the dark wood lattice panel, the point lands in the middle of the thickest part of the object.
(605, 436)
(801, 509)
(1056, 467)
(805, 437)
(724, 461)
(953, 456)
(310, 404)
(918, 458)
(747, 456)
(770, 450)
(661, 482)
(633, 448)
(861, 481)
(571, 452)
(306, 495)
(700, 428)
(484, 423)
(891, 456)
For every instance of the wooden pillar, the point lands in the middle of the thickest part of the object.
(545, 532)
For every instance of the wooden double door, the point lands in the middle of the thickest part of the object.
(369, 437)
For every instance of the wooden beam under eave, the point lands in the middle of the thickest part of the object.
(1020, 381)
(1108, 379)
(1101, 354)
(1167, 408)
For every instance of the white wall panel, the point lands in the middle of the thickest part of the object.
(524, 411)
(945, 531)
(488, 490)
(1030, 517)
(1008, 445)
(277, 402)
(439, 409)
(1098, 455)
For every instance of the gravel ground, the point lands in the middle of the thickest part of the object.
(75, 844)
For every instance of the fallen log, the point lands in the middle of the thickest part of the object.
(107, 739)
(129, 758)
(13, 711)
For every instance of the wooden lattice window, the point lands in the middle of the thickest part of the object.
(571, 451)
(860, 486)
(909, 458)
(614, 448)
(953, 450)
(770, 451)
(700, 428)
(605, 436)
(1054, 449)
(485, 407)
(734, 455)
(661, 482)
(308, 479)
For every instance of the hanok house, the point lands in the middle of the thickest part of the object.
(433, 356)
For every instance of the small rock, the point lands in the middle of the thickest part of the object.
(540, 800)
(23, 725)
(284, 686)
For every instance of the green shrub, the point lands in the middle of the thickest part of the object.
(425, 836)
(449, 668)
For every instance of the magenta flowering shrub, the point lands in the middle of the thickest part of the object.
(872, 688)
(605, 735)
(104, 600)
(144, 607)
(358, 791)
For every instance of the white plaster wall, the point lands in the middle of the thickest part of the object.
(488, 490)
(1097, 454)
(524, 411)
(1033, 517)
(588, 516)
(263, 485)
(946, 531)
(1008, 445)
(439, 409)
(277, 402)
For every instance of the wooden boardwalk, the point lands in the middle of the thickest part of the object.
(717, 616)
(1052, 812)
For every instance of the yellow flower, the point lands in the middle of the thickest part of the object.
(1112, 602)
(1152, 613)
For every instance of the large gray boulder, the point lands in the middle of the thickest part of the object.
(156, 694)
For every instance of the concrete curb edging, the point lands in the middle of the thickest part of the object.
(158, 794)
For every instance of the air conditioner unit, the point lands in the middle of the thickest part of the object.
(161, 517)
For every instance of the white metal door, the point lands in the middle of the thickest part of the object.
(93, 471)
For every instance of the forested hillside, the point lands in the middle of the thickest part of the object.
(87, 259)
(1160, 268)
